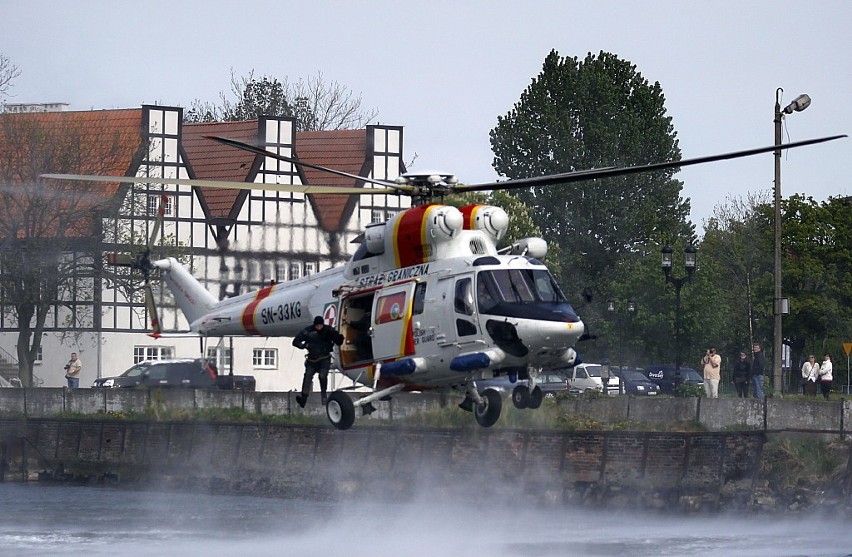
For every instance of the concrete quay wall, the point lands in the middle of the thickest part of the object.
(715, 414)
(718, 414)
(630, 469)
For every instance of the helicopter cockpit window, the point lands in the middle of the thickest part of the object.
(484, 298)
(464, 296)
(361, 252)
(419, 298)
(516, 286)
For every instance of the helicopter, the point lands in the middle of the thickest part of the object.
(426, 302)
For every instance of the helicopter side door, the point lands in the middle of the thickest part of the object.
(393, 335)
(460, 319)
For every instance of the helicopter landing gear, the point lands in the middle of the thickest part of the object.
(340, 410)
(521, 397)
(487, 412)
(536, 398)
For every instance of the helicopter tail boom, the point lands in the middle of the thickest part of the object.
(191, 297)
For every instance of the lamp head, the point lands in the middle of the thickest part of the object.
(689, 259)
(799, 104)
(667, 259)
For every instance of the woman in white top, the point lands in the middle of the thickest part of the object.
(810, 376)
(825, 377)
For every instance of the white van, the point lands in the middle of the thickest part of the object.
(583, 377)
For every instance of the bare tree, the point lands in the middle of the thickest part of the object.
(316, 104)
(8, 72)
(50, 255)
(327, 105)
(731, 239)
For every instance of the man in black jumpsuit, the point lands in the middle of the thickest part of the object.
(319, 341)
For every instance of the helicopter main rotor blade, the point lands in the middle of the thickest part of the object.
(608, 172)
(263, 152)
(294, 188)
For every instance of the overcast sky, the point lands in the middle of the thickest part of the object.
(446, 69)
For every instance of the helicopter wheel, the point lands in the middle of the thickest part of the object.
(521, 397)
(487, 412)
(536, 398)
(340, 410)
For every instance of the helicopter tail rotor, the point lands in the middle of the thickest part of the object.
(142, 262)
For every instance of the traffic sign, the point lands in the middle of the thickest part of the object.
(847, 347)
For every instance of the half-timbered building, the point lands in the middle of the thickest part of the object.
(233, 240)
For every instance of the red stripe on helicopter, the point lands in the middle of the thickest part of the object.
(409, 236)
(248, 313)
(469, 213)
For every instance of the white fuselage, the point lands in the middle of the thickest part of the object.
(427, 302)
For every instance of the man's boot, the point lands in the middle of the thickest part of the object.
(301, 400)
(324, 399)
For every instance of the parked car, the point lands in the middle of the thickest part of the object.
(584, 377)
(612, 381)
(635, 383)
(665, 376)
(187, 373)
(548, 381)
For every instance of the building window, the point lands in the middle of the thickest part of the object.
(221, 357)
(148, 353)
(265, 358)
(309, 269)
(295, 269)
(154, 204)
(377, 216)
(39, 355)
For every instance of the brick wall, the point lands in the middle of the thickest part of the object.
(659, 470)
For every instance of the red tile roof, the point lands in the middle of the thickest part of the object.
(340, 150)
(105, 142)
(214, 161)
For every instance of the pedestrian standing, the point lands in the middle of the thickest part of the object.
(825, 377)
(712, 363)
(72, 371)
(742, 375)
(758, 363)
(810, 376)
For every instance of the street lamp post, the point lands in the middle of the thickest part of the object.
(631, 310)
(780, 306)
(689, 264)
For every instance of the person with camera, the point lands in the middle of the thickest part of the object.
(712, 363)
(72, 371)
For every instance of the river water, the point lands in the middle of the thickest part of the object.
(48, 520)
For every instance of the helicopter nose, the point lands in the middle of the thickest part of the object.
(559, 335)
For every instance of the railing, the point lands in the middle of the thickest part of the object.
(9, 359)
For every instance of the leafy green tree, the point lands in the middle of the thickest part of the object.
(738, 256)
(816, 273)
(648, 336)
(316, 104)
(735, 243)
(592, 113)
